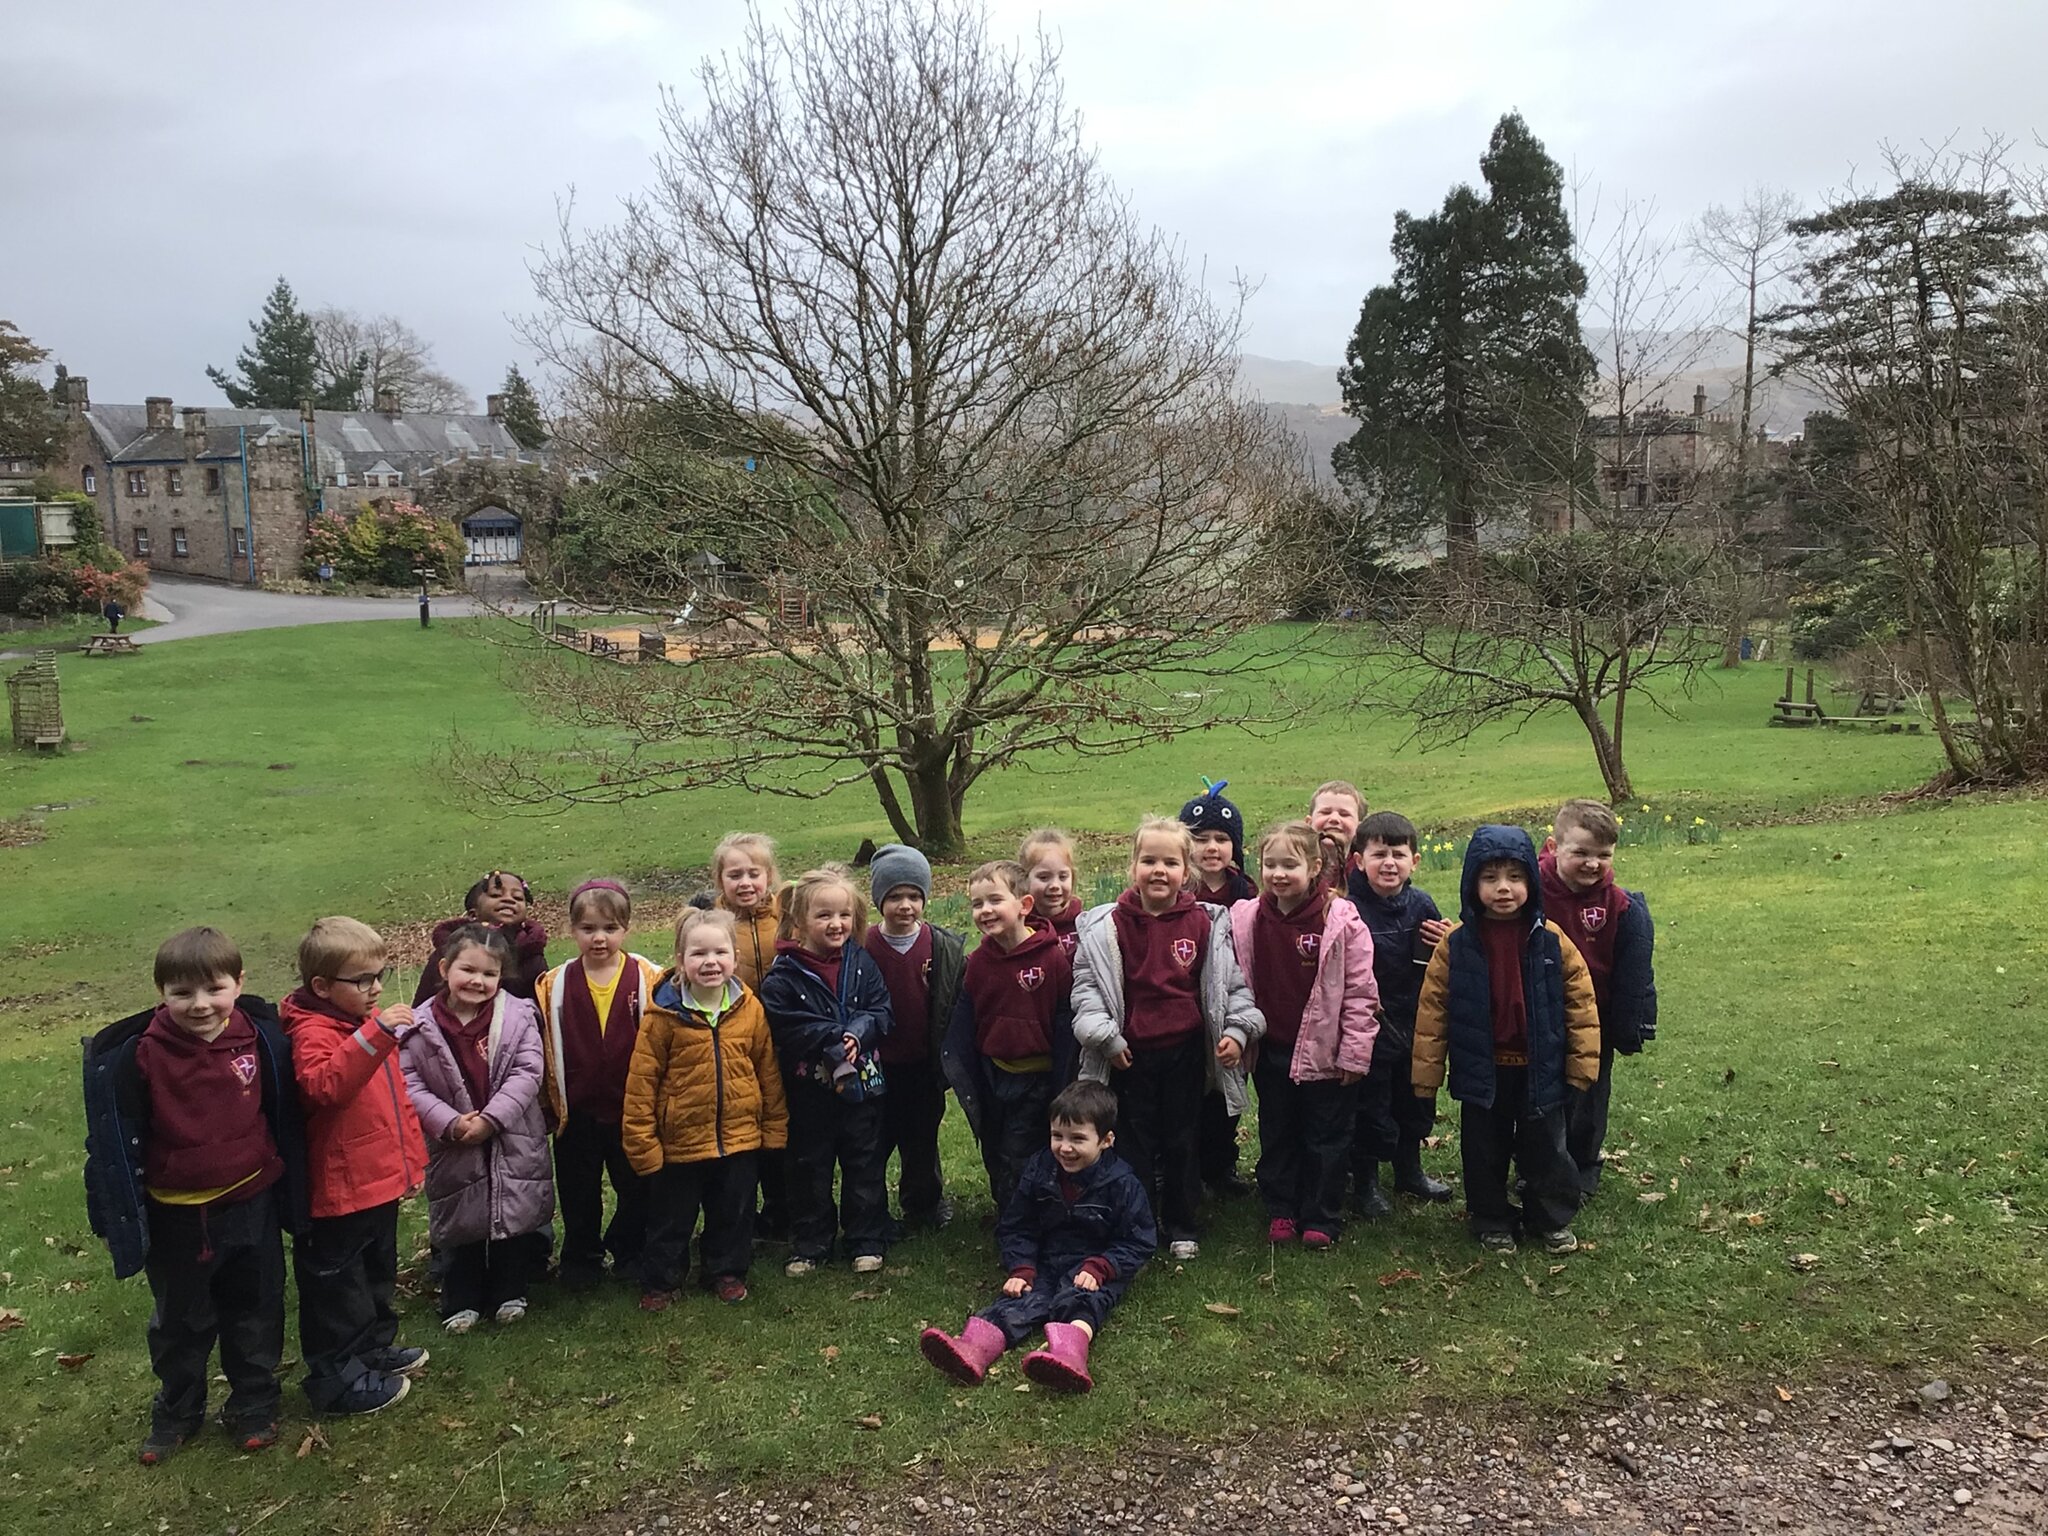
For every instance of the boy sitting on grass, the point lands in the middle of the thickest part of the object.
(1508, 1000)
(194, 1161)
(1073, 1236)
(1611, 930)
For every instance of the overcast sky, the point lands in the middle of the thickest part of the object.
(164, 163)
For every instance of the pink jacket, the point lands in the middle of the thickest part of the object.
(1342, 1017)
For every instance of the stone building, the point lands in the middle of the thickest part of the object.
(227, 494)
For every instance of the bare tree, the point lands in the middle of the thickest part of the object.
(882, 335)
(1754, 251)
(1923, 311)
(395, 359)
(1598, 593)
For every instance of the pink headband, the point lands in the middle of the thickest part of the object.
(599, 885)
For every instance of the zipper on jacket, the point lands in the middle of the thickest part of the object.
(718, 1090)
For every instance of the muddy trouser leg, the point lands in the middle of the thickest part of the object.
(1552, 1198)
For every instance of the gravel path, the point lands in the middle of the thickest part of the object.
(1865, 1452)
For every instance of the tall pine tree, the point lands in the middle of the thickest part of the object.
(281, 366)
(1467, 373)
(522, 410)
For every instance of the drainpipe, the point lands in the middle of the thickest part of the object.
(248, 519)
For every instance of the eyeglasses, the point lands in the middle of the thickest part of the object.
(367, 980)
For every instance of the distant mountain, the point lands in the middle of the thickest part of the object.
(1283, 381)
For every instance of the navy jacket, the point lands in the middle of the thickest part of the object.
(1629, 1021)
(1454, 1017)
(1394, 921)
(1110, 1218)
(117, 1131)
(807, 1019)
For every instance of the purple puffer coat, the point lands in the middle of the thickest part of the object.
(503, 1187)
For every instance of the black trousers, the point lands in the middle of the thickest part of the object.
(1507, 1133)
(1304, 1143)
(1585, 1125)
(771, 1171)
(1158, 1121)
(1014, 1127)
(348, 1270)
(1217, 1147)
(828, 1134)
(215, 1273)
(1391, 1118)
(912, 1111)
(483, 1276)
(1020, 1317)
(587, 1152)
(720, 1187)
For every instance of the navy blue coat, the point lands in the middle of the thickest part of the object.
(808, 1019)
(1454, 1017)
(1394, 921)
(1629, 1021)
(117, 1123)
(1110, 1219)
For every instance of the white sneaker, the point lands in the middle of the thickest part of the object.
(513, 1310)
(462, 1321)
(867, 1263)
(1185, 1248)
(796, 1269)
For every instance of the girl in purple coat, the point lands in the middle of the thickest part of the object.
(473, 1066)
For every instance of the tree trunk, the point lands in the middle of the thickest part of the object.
(937, 810)
(1607, 752)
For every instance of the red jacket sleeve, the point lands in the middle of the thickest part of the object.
(333, 1068)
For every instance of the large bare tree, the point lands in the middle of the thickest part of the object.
(882, 335)
(395, 359)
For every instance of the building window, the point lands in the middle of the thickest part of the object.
(89, 480)
(213, 479)
(178, 545)
(142, 542)
(138, 482)
(242, 542)
(175, 481)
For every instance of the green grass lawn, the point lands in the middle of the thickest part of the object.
(1850, 1068)
(66, 634)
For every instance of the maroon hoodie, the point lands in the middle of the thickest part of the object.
(824, 967)
(1016, 993)
(1589, 918)
(1286, 949)
(206, 1123)
(1162, 969)
(1063, 927)
(907, 975)
(1504, 939)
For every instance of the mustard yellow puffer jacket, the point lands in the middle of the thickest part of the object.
(698, 1090)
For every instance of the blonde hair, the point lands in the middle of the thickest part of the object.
(334, 941)
(1299, 836)
(1045, 837)
(1340, 787)
(1167, 827)
(796, 906)
(758, 844)
(694, 918)
(1007, 873)
(1591, 817)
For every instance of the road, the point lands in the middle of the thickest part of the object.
(184, 609)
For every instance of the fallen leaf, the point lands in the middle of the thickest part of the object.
(1221, 1308)
(74, 1362)
(1652, 1196)
(867, 1295)
(1398, 1276)
(1804, 1262)
(869, 1421)
(830, 1352)
(9, 1318)
(315, 1440)
(1784, 1396)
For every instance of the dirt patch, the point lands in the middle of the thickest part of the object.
(20, 832)
(1863, 1451)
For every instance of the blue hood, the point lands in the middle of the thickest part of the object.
(1489, 844)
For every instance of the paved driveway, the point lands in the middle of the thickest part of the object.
(188, 608)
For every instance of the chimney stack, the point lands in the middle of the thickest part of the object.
(76, 399)
(1699, 401)
(195, 432)
(159, 413)
(494, 407)
(387, 402)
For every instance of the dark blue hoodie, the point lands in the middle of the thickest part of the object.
(1468, 1009)
(1394, 921)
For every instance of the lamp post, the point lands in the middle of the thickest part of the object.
(422, 572)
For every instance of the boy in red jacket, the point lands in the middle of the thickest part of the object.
(364, 1153)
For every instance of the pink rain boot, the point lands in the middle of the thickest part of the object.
(1063, 1363)
(967, 1358)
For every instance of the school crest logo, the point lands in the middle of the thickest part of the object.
(1308, 945)
(1032, 979)
(244, 1068)
(1595, 918)
(1068, 941)
(1184, 953)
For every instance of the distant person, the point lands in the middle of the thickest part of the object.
(113, 613)
(194, 1162)
(1073, 1236)
(1508, 1005)
(1611, 929)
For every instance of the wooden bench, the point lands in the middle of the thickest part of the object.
(1790, 711)
(111, 645)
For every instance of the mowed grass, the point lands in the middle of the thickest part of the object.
(1835, 1152)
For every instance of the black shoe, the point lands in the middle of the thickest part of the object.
(372, 1392)
(252, 1434)
(580, 1278)
(1410, 1179)
(398, 1360)
(1370, 1203)
(1231, 1186)
(937, 1219)
(163, 1444)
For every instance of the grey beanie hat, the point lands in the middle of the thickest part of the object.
(895, 865)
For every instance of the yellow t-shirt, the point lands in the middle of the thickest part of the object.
(601, 993)
(198, 1196)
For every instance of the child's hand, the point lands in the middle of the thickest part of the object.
(1229, 1052)
(470, 1129)
(397, 1018)
(1016, 1285)
(1122, 1061)
(1433, 930)
(1084, 1280)
(852, 1047)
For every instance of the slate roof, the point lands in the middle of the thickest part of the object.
(350, 442)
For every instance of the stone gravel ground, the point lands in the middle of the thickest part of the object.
(1860, 1452)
